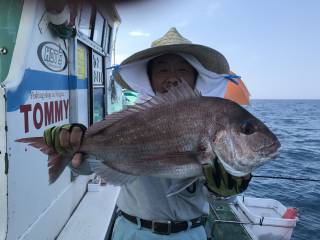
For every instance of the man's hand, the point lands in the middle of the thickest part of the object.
(66, 139)
(223, 184)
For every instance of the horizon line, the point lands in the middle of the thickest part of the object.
(307, 99)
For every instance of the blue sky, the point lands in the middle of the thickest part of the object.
(274, 45)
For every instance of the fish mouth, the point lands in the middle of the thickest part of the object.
(233, 171)
(241, 173)
(269, 149)
(269, 156)
(230, 169)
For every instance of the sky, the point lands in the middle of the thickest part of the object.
(273, 45)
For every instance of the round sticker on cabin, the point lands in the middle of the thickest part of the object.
(52, 56)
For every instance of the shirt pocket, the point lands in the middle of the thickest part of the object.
(192, 190)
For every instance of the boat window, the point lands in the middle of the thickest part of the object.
(10, 13)
(98, 87)
(98, 104)
(82, 73)
(97, 66)
(86, 16)
(109, 38)
(98, 28)
(82, 62)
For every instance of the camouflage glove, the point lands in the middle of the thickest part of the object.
(221, 183)
(53, 137)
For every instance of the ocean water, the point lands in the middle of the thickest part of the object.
(297, 125)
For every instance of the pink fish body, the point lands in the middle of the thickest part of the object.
(172, 136)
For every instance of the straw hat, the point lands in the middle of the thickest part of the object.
(173, 42)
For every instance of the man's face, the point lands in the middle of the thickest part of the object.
(168, 70)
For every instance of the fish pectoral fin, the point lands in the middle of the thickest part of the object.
(110, 175)
(180, 185)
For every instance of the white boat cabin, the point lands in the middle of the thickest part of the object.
(54, 69)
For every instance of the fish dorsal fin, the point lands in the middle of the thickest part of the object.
(175, 94)
(108, 121)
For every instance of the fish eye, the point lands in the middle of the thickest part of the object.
(247, 128)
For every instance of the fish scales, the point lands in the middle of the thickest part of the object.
(167, 128)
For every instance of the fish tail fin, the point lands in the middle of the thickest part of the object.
(56, 165)
(57, 162)
(39, 143)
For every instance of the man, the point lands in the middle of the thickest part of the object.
(146, 209)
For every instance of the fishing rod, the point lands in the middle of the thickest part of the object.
(287, 178)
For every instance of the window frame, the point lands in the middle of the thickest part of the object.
(109, 37)
(91, 21)
(103, 28)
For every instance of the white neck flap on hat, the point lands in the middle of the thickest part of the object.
(208, 83)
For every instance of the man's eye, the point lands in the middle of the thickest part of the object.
(182, 70)
(163, 70)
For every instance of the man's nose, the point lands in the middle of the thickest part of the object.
(173, 71)
(174, 80)
(174, 74)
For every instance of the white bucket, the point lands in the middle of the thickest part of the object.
(264, 218)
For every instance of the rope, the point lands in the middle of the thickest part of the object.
(232, 78)
(287, 178)
(115, 67)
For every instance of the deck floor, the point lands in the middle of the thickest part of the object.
(92, 217)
